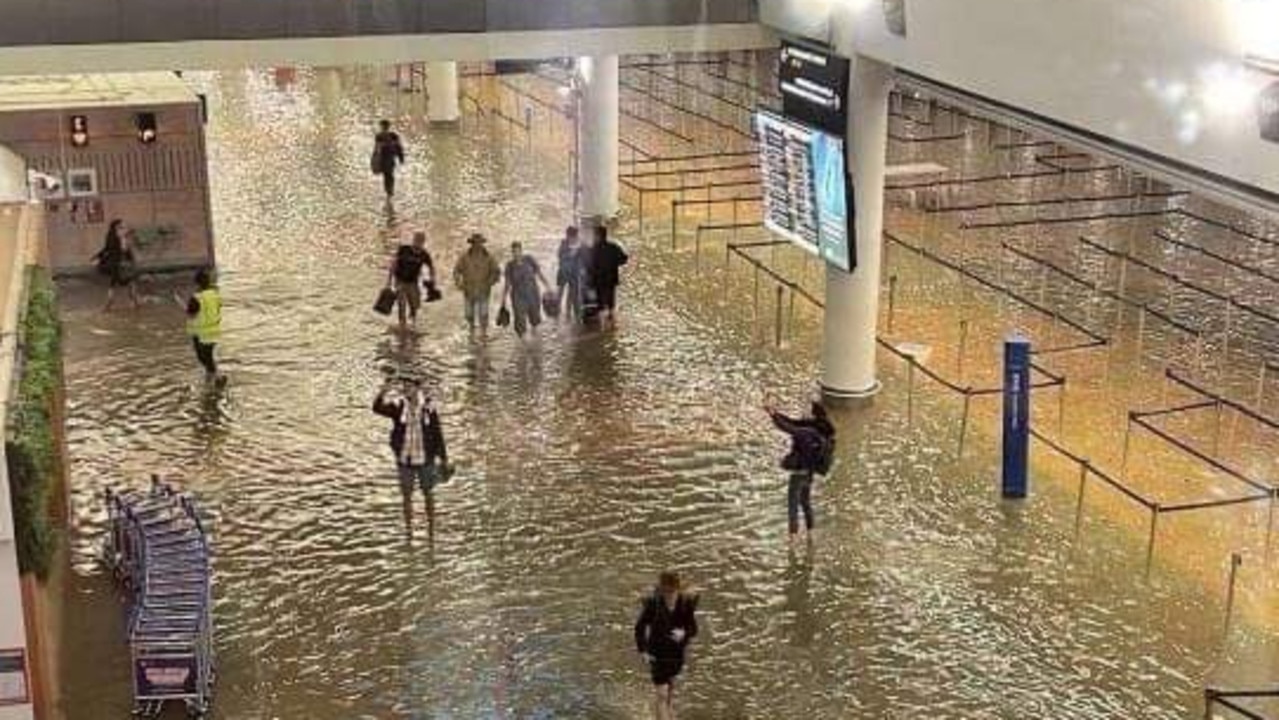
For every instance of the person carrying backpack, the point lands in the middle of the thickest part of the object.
(811, 453)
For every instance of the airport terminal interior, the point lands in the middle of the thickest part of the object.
(1035, 301)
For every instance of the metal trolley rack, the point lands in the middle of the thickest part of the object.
(159, 552)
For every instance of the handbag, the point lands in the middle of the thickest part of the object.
(503, 317)
(375, 161)
(433, 293)
(385, 301)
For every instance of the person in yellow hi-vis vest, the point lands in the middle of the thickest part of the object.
(204, 322)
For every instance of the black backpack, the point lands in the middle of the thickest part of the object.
(813, 451)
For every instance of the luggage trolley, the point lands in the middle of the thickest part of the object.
(158, 549)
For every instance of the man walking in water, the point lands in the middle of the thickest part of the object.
(522, 277)
(811, 453)
(405, 274)
(663, 631)
(606, 261)
(417, 441)
(475, 275)
(387, 153)
(568, 276)
(204, 323)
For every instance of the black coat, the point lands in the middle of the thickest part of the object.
(605, 261)
(432, 432)
(656, 621)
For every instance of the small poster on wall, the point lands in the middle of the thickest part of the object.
(13, 677)
(46, 185)
(82, 182)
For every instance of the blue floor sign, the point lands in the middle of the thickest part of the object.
(1016, 415)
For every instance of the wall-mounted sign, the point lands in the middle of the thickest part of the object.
(814, 87)
(82, 182)
(14, 683)
(1268, 112)
(79, 130)
(806, 191)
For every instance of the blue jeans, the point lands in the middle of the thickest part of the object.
(572, 288)
(799, 496)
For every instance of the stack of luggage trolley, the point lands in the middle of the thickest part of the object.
(159, 552)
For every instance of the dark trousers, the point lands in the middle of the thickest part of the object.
(204, 353)
(799, 496)
(388, 182)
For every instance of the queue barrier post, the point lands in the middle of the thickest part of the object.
(1083, 488)
(910, 391)
(1154, 530)
(777, 317)
(892, 300)
(963, 421)
(1235, 561)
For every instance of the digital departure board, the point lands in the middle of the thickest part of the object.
(805, 187)
(814, 87)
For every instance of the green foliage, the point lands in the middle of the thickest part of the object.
(152, 235)
(31, 450)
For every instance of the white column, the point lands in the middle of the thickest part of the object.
(599, 135)
(852, 300)
(442, 100)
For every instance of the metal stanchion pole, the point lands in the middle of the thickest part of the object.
(1235, 561)
(1079, 504)
(1061, 407)
(1261, 384)
(790, 313)
(963, 421)
(697, 248)
(1123, 467)
(892, 300)
(756, 292)
(1154, 529)
(1270, 519)
(1141, 332)
(1225, 335)
(1216, 432)
(777, 330)
(963, 348)
(910, 392)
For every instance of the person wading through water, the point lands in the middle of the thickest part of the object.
(204, 323)
(666, 625)
(388, 152)
(811, 453)
(417, 442)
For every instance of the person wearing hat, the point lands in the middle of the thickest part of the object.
(666, 625)
(475, 274)
(417, 441)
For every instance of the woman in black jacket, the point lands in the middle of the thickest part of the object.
(116, 261)
(665, 627)
(417, 440)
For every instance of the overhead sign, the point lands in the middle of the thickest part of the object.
(814, 87)
(1268, 113)
(806, 191)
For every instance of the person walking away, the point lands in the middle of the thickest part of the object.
(204, 323)
(607, 259)
(116, 261)
(666, 625)
(417, 442)
(388, 152)
(405, 275)
(811, 453)
(568, 276)
(522, 277)
(475, 274)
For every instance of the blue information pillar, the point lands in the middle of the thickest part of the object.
(1016, 415)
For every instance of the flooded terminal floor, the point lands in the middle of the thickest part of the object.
(589, 461)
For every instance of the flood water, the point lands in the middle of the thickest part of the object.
(587, 462)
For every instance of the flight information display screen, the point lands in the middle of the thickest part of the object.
(805, 187)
